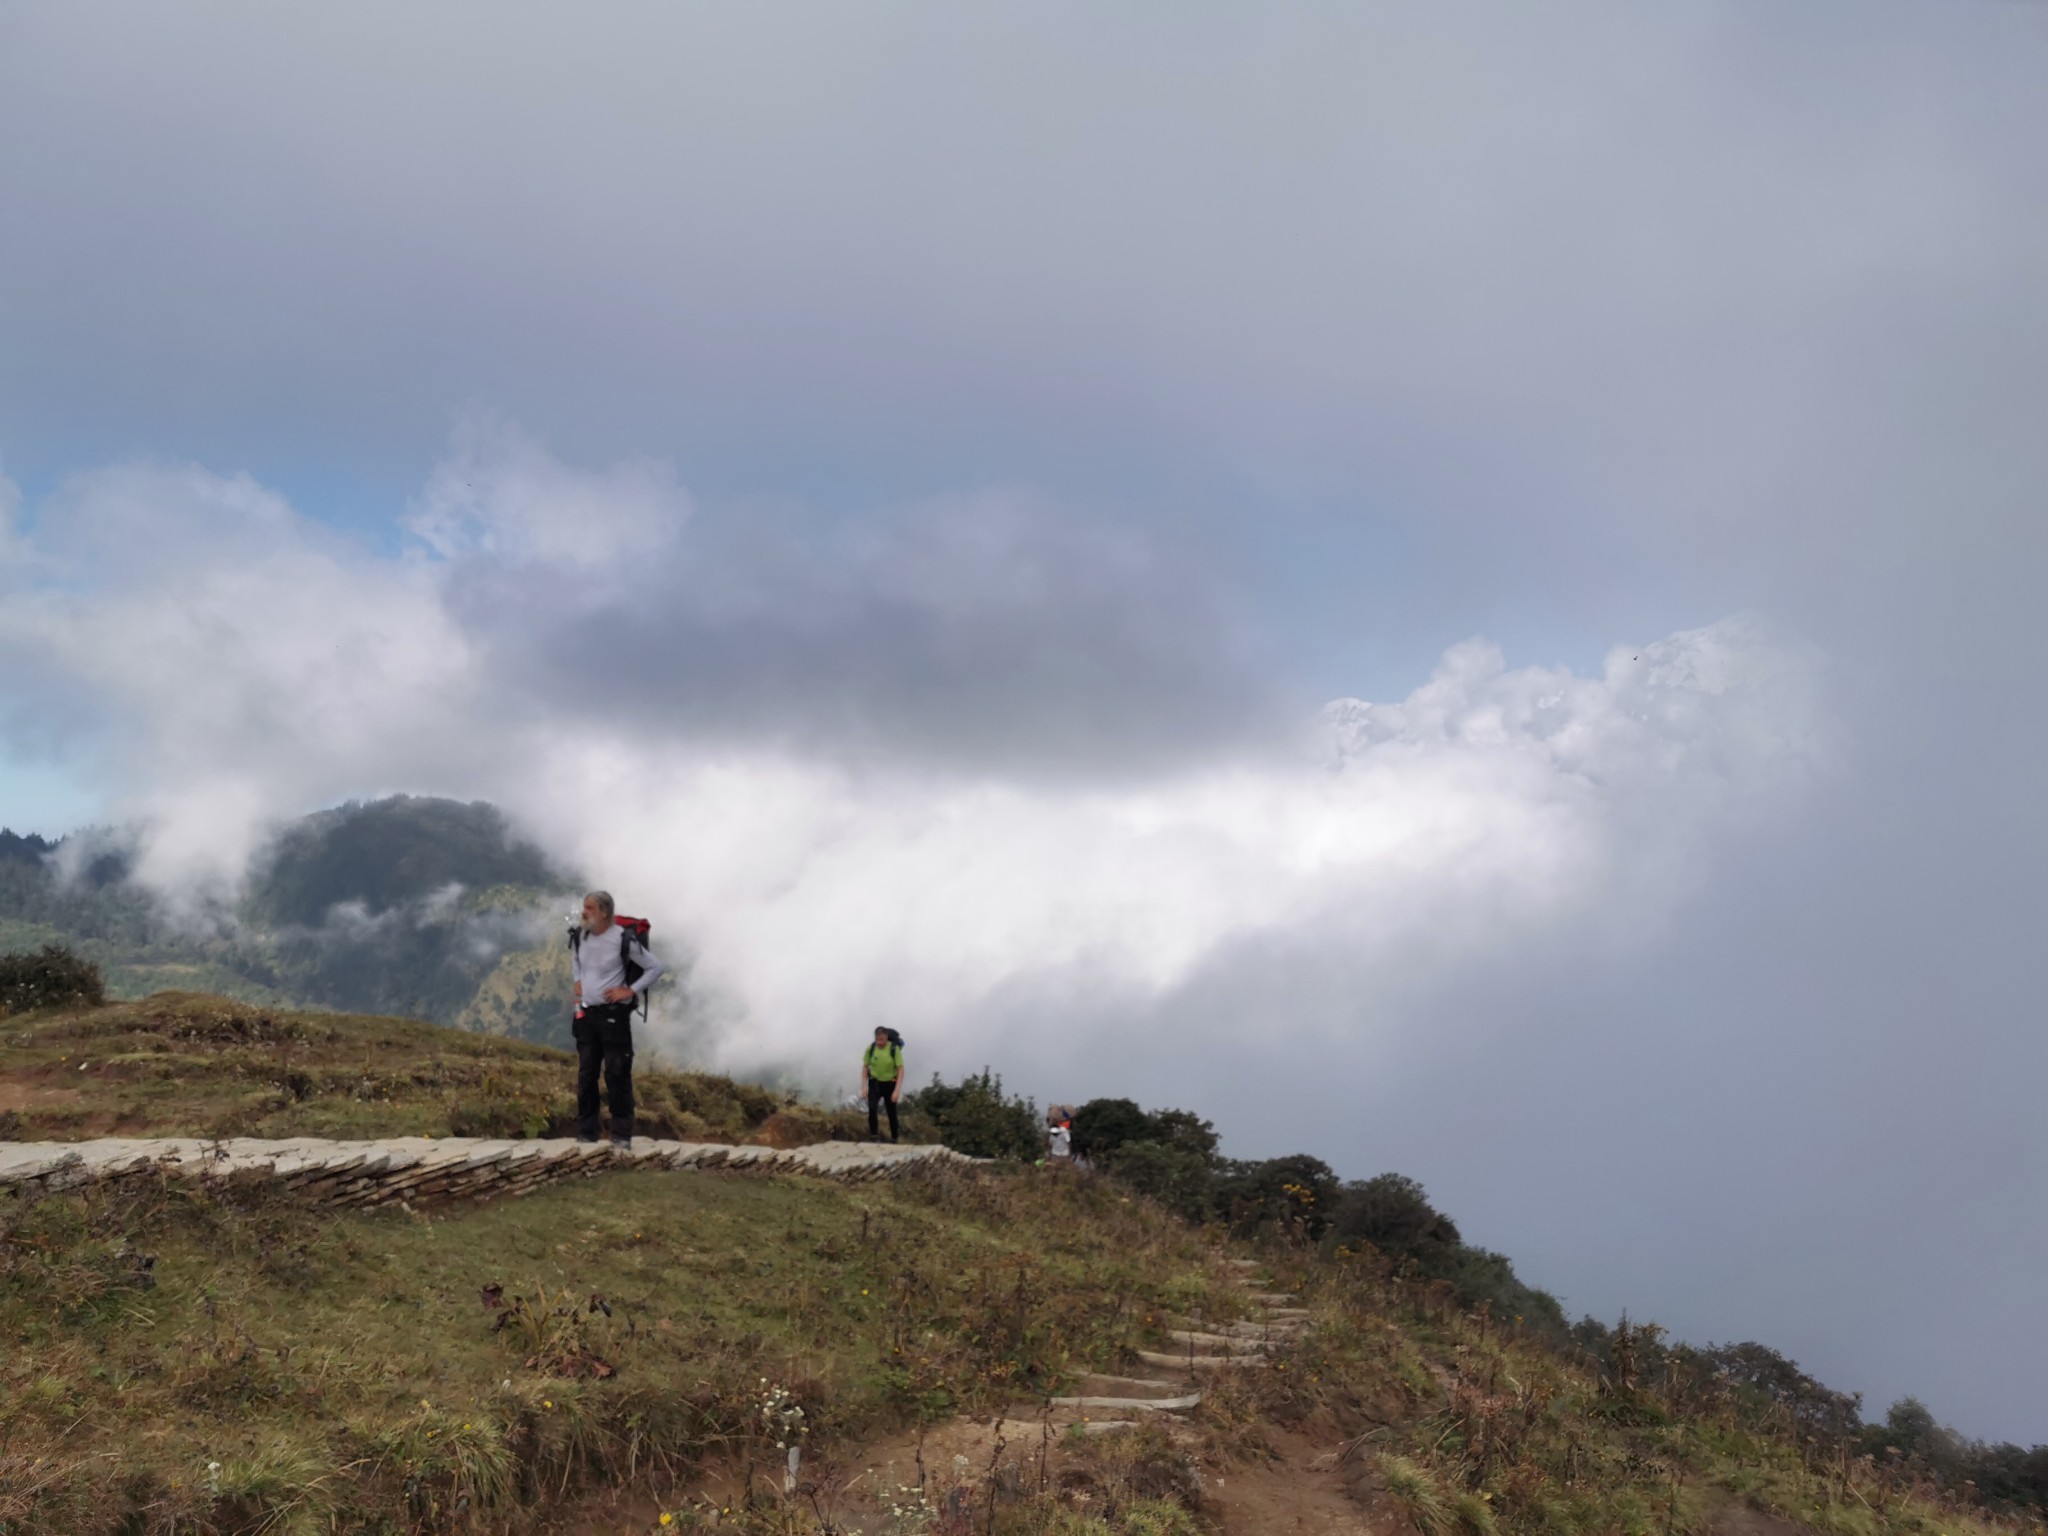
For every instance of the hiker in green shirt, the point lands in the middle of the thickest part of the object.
(881, 1077)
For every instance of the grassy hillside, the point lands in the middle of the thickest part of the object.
(225, 1360)
(186, 1064)
(521, 996)
(220, 1360)
(600, 1356)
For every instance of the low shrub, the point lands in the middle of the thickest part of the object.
(1103, 1125)
(1393, 1213)
(50, 977)
(503, 1113)
(978, 1118)
(1179, 1178)
(1293, 1195)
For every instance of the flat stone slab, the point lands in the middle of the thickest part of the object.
(399, 1167)
(1260, 1328)
(1187, 1363)
(1214, 1343)
(1097, 1383)
(1179, 1404)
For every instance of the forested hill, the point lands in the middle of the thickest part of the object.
(428, 908)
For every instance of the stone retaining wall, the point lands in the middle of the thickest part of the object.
(428, 1170)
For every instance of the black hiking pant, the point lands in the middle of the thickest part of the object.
(604, 1040)
(878, 1093)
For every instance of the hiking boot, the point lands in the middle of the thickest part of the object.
(623, 1143)
(586, 1141)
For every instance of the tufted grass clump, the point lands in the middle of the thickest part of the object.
(279, 1487)
(1419, 1496)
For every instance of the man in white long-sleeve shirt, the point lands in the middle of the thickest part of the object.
(612, 969)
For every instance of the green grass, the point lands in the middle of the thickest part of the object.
(190, 1064)
(230, 1358)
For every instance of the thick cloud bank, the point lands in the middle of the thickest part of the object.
(979, 764)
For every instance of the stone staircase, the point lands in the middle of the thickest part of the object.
(418, 1170)
(1174, 1380)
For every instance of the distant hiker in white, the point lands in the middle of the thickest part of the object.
(613, 972)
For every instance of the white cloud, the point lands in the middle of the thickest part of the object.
(242, 661)
(1490, 804)
(498, 493)
(249, 664)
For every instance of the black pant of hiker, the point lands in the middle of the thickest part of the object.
(878, 1093)
(604, 1038)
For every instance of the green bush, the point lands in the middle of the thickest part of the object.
(1179, 1178)
(1477, 1274)
(1103, 1125)
(1184, 1131)
(1775, 1386)
(51, 977)
(979, 1119)
(1393, 1214)
(1287, 1194)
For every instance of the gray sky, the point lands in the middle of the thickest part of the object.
(995, 436)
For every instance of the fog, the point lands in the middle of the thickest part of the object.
(1452, 586)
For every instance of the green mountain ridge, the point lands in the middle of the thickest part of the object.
(414, 906)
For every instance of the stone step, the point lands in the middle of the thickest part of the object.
(1262, 1332)
(1100, 1385)
(1217, 1343)
(1270, 1298)
(1190, 1363)
(1132, 1404)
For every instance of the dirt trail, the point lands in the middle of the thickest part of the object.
(873, 1488)
(1299, 1492)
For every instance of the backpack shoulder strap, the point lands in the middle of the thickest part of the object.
(632, 972)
